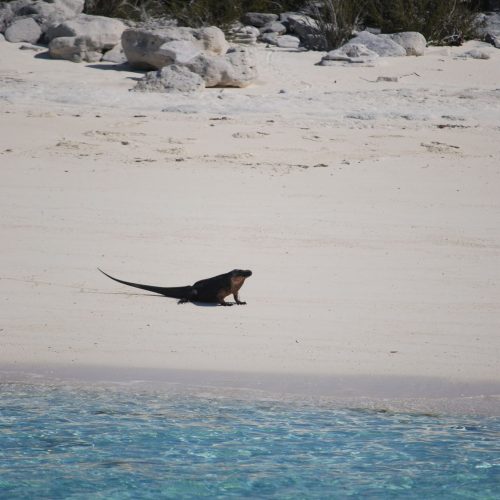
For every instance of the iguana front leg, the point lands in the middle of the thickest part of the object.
(237, 300)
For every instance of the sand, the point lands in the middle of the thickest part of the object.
(368, 211)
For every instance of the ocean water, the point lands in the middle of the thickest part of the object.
(58, 441)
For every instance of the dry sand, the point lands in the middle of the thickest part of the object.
(368, 211)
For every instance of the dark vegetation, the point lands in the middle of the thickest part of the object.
(440, 21)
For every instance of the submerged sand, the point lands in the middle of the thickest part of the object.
(368, 211)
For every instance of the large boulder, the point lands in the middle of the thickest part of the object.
(413, 42)
(237, 68)
(23, 30)
(383, 45)
(153, 48)
(258, 19)
(104, 32)
(173, 78)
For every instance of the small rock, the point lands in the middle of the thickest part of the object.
(34, 48)
(387, 79)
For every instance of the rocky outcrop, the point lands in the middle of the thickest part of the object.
(173, 78)
(153, 49)
(203, 51)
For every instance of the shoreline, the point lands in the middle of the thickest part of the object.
(409, 394)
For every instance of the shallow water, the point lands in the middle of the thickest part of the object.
(60, 441)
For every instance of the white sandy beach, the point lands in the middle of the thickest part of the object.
(369, 213)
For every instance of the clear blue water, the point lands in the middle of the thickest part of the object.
(62, 442)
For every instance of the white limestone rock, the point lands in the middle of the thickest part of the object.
(171, 79)
(145, 48)
(237, 68)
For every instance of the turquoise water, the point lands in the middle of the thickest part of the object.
(63, 442)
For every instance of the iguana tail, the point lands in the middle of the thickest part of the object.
(179, 292)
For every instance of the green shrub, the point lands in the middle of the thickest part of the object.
(442, 22)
